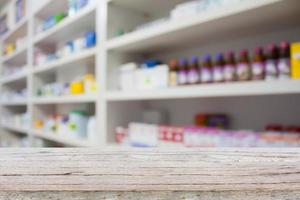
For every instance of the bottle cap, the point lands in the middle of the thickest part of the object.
(151, 63)
(244, 52)
(193, 59)
(259, 50)
(284, 44)
(182, 62)
(206, 57)
(219, 56)
(271, 47)
(173, 62)
(229, 54)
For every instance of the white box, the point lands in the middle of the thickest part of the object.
(127, 76)
(143, 135)
(152, 78)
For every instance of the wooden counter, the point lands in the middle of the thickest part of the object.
(204, 174)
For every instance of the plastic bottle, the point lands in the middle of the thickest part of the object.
(230, 67)
(206, 70)
(218, 69)
(72, 8)
(78, 121)
(258, 65)
(183, 72)
(271, 62)
(90, 38)
(243, 67)
(173, 72)
(91, 130)
(284, 66)
(193, 72)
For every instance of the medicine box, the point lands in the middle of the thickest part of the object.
(143, 135)
(127, 76)
(295, 62)
(152, 78)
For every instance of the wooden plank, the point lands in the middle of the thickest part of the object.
(242, 195)
(196, 173)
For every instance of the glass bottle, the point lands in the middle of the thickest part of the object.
(284, 66)
(230, 67)
(258, 65)
(271, 62)
(206, 69)
(218, 69)
(243, 67)
(193, 72)
(173, 72)
(183, 72)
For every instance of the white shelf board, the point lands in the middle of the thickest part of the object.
(21, 102)
(18, 30)
(251, 88)
(15, 129)
(83, 20)
(49, 8)
(14, 77)
(242, 19)
(18, 56)
(67, 61)
(65, 99)
(66, 140)
(153, 7)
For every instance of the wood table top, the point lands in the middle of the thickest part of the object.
(144, 170)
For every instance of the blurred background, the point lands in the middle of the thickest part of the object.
(150, 73)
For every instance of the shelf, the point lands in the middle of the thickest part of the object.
(256, 88)
(70, 60)
(84, 20)
(18, 57)
(18, 30)
(241, 19)
(147, 7)
(66, 140)
(14, 103)
(49, 7)
(13, 78)
(65, 99)
(15, 129)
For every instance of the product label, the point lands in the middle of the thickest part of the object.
(206, 75)
(173, 79)
(258, 70)
(218, 74)
(284, 69)
(271, 70)
(229, 73)
(193, 76)
(243, 71)
(284, 66)
(182, 77)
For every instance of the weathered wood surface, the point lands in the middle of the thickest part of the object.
(151, 173)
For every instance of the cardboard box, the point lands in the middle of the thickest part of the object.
(295, 60)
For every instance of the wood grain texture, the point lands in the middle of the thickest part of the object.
(242, 195)
(120, 172)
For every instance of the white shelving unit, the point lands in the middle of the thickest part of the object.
(85, 56)
(69, 26)
(65, 140)
(14, 77)
(18, 80)
(254, 88)
(65, 99)
(17, 55)
(251, 104)
(23, 131)
(34, 76)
